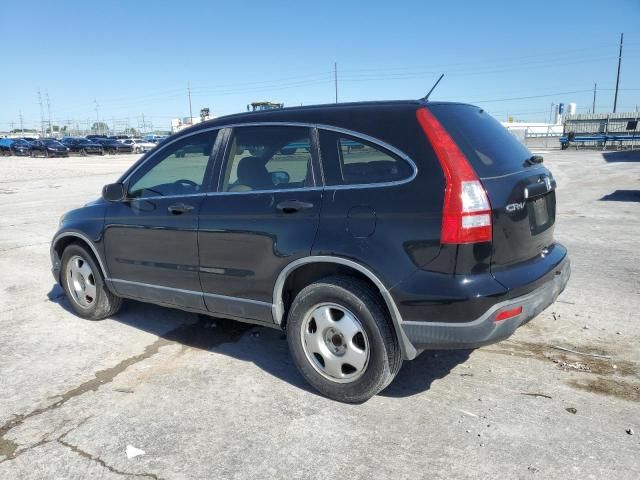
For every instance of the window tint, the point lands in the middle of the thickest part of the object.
(490, 148)
(351, 161)
(178, 169)
(267, 158)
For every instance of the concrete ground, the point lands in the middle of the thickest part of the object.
(217, 399)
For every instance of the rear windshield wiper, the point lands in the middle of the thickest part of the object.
(533, 160)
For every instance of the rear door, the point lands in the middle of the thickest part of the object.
(264, 216)
(522, 194)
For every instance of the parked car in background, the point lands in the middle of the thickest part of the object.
(82, 146)
(5, 146)
(48, 147)
(369, 232)
(156, 138)
(20, 147)
(139, 145)
(112, 146)
(14, 146)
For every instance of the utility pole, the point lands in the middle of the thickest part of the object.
(190, 111)
(21, 122)
(335, 78)
(97, 113)
(49, 114)
(593, 108)
(615, 99)
(41, 113)
(551, 113)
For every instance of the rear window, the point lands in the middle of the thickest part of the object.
(489, 147)
(351, 161)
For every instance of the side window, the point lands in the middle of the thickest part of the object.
(352, 161)
(178, 169)
(267, 158)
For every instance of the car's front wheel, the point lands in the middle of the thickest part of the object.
(84, 285)
(341, 339)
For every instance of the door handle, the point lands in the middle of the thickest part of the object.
(293, 206)
(180, 208)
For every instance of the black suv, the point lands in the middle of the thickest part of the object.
(111, 146)
(48, 147)
(368, 232)
(82, 146)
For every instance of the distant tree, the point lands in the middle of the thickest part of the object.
(131, 131)
(99, 128)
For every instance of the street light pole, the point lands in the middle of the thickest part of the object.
(190, 111)
(615, 98)
(335, 78)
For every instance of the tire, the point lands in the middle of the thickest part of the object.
(320, 344)
(82, 280)
(46, 154)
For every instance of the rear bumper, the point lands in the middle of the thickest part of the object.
(485, 329)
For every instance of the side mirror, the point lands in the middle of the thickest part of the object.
(114, 192)
(280, 177)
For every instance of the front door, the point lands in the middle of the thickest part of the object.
(151, 238)
(264, 215)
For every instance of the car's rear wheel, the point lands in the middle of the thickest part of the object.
(84, 285)
(341, 339)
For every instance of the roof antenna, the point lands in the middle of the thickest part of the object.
(426, 97)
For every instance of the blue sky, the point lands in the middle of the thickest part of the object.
(138, 57)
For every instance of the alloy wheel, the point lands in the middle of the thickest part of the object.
(81, 281)
(335, 343)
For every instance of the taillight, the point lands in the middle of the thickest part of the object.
(466, 215)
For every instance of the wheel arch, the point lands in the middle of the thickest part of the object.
(63, 240)
(316, 267)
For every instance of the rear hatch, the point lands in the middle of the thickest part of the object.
(522, 194)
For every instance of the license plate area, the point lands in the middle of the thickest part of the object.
(540, 217)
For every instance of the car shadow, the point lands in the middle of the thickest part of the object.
(263, 346)
(622, 196)
(418, 375)
(622, 155)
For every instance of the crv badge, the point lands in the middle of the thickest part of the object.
(514, 207)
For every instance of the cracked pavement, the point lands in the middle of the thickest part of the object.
(211, 398)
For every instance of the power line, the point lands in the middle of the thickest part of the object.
(494, 100)
(561, 56)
